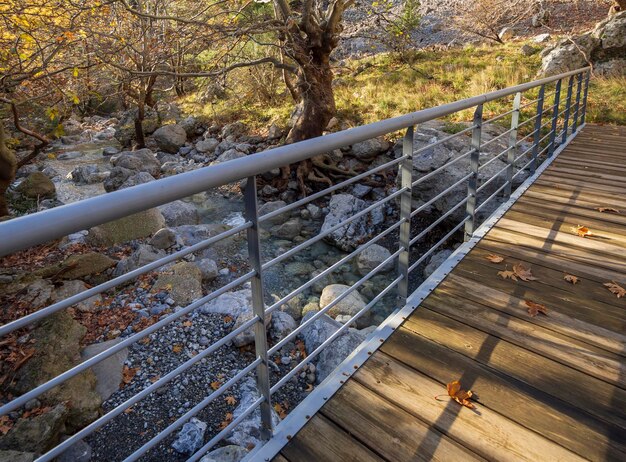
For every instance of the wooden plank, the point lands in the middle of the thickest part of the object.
(578, 355)
(599, 198)
(484, 431)
(573, 176)
(555, 182)
(392, 432)
(590, 162)
(579, 199)
(280, 458)
(511, 299)
(558, 421)
(322, 440)
(586, 173)
(600, 399)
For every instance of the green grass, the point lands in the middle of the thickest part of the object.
(383, 86)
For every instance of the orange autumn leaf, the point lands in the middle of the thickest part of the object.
(571, 278)
(228, 418)
(493, 258)
(128, 373)
(280, 411)
(230, 400)
(581, 231)
(309, 388)
(228, 319)
(5, 424)
(187, 324)
(523, 273)
(535, 308)
(615, 288)
(506, 274)
(177, 349)
(459, 395)
(215, 385)
(607, 210)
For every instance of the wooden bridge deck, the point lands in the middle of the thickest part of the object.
(550, 387)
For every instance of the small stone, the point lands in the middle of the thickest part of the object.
(69, 155)
(191, 437)
(208, 268)
(109, 151)
(163, 239)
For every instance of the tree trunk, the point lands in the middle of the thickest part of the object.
(8, 166)
(140, 138)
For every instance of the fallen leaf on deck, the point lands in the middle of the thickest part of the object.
(459, 395)
(581, 231)
(616, 289)
(523, 273)
(493, 258)
(535, 308)
(506, 274)
(231, 400)
(607, 210)
(571, 278)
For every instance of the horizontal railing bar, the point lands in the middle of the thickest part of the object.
(336, 334)
(439, 220)
(146, 391)
(331, 230)
(326, 191)
(490, 161)
(440, 195)
(486, 201)
(322, 311)
(84, 295)
(444, 140)
(221, 435)
(487, 143)
(442, 168)
(438, 244)
(23, 399)
(498, 117)
(192, 412)
(522, 106)
(493, 178)
(527, 121)
(333, 267)
(40, 227)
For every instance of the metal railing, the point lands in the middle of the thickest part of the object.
(550, 127)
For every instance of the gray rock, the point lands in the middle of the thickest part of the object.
(142, 224)
(230, 453)
(164, 239)
(108, 372)
(269, 207)
(117, 177)
(170, 138)
(183, 281)
(527, 50)
(274, 132)
(342, 207)
(233, 304)
(87, 174)
(26, 170)
(207, 146)
(37, 185)
(136, 179)
(506, 34)
(191, 437)
(78, 452)
(142, 256)
(231, 154)
(247, 336)
(435, 261)
(109, 151)
(348, 306)
(368, 149)
(208, 268)
(50, 172)
(69, 155)
(142, 160)
(179, 213)
(236, 129)
(542, 38)
(16, 456)
(288, 230)
(70, 288)
(314, 210)
(282, 324)
(37, 433)
(569, 55)
(361, 190)
(371, 257)
(190, 125)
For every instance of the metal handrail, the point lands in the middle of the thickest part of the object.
(40, 227)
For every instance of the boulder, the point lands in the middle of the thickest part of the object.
(183, 281)
(164, 239)
(569, 55)
(88, 174)
(282, 324)
(371, 257)
(136, 179)
(170, 138)
(70, 288)
(349, 306)
(142, 160)
(269, 207)
(39, 433)
(230, 453)
(288, 230)
(233, 304)
(368, 149)
(78, 266)
(37, 185)
(208, 268)
(207, 146)
(190, 125)
(142, 256)
(139, 225)
(179, 213)
(342, 207)
(435, 261)
(16, 456)
(191, 437)
(108, 372)
(231, 154)
(117, 177)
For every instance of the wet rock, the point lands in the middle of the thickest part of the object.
(170, 138)
(191, 437)
(371, 257)
(38, 433)
(139, 225)
(142, 160)
(37, 185)
(70, 288)
(208, 268)
(233, 304)
(368, 149)
(164, 239)
(142, 256)
(282, 324)
(179, 213)
(108, 372)
(136, 179)
(230, 453)
(435, 261)
(184, 282)
(207, 146)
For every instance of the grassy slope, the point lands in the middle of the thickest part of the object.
(383, 86)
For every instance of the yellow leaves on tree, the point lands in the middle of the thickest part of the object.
(519, 271)
(581, 231)
(535, 308)
(571, 278)
(615, 288)
(493, 258)
(459, 395)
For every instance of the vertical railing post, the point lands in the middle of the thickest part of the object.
(512, 151)
(258, 306)
(568, 105)
(579, 79)
(472, 183)
(555, 117)
(406, 181)
(584, 114)
(538, 120)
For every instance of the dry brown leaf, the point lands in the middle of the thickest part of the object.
(230, 400)
(309, 388)
(5, 424)
(228, 418)
(506, 274)
(535, 308)
(215, 385)
(228, 319)
(607, 210)
(128, 373)
(493, 258)
(523, 273)
(616, 289)
(581, 231)
(571, 278)
(177, 349)
(280, 410)
(187, 324)
(459, 395)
